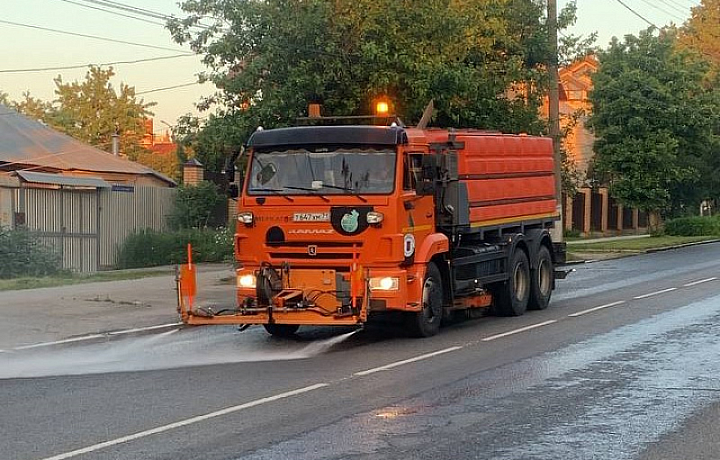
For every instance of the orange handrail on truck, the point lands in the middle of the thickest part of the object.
(337, 224)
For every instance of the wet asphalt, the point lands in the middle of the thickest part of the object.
(623, 365)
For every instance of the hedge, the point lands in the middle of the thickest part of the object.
(23, 254)
(148, 248)
(693, 226)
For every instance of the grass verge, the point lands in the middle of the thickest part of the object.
(65, 280)
(578, 250)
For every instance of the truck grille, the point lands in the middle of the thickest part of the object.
(342, 253)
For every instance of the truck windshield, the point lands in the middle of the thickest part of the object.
(322, 171)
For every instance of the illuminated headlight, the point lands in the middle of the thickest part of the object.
(386, 283)
(247, 281)
(374, 218)
(245, 218)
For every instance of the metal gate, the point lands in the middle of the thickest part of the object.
(66, 220)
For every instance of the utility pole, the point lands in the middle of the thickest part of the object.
(554, 113)
(116, 141)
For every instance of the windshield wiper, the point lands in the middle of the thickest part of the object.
(347, 189)
(308, 189)
(276, 191)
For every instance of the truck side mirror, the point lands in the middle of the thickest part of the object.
(428, 176)
(233, 191)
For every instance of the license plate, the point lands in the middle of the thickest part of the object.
(311, 217)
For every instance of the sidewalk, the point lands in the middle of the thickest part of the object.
(607, 238)
(49, 314)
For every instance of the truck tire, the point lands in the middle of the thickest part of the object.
(281, 330)
(426, 322)
(513, 295)
(541, 282)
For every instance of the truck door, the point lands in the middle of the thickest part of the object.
(419, 219)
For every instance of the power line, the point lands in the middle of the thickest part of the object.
(682, 9)
(653, 5)
(138, 10)
(637, 14)
(130, 8)
(95, 37)
(113, 12)
(81, 66)
(166, 88)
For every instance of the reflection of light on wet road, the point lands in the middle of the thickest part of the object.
(167, 350)
(605, 398)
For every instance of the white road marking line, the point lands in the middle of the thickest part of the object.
(645, 296)
(186, 422)
(97, 336)
(601, 307)
(517, 331)
(143, 329)
(695, 283)
(60, 342)
(406, 361)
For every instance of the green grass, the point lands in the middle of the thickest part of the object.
(65, 280)
(636, 244)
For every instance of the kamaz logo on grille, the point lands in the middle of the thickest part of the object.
(312, 250)
(311, 231)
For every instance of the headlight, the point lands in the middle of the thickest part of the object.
(386, 283)
(374, 217)
(247, 281)
(245, 217)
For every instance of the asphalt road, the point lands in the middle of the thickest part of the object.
(623, 365)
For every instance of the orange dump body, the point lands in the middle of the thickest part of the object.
(507, 176)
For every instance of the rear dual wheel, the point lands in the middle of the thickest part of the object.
(542, 280)
(511, 297)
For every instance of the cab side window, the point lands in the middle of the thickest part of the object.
(412, 170)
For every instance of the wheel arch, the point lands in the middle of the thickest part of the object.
(537, 239)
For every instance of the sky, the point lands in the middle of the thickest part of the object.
(32, 48)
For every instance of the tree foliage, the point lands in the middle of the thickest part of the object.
(92, 111)
(482, 62)
(701, 34)
(654, 124)
(196, 206)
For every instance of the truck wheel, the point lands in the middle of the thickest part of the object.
(541, 282)
(426, 322)
(281, 330)
(512, 296)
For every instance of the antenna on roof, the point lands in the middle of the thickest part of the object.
(427, 114)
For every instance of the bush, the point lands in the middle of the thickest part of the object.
(693, 226)
(23, 254)
(149, 248)
(198, 206)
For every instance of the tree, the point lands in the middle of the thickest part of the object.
(92, 111)
(700, 33)
(34, 107)
(197, 206)
(481, 62)
(653, 121)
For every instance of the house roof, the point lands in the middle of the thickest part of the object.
(57, 179)
(28, 142)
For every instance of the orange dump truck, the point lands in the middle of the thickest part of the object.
(338, 224)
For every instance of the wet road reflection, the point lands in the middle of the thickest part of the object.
(604, 398)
